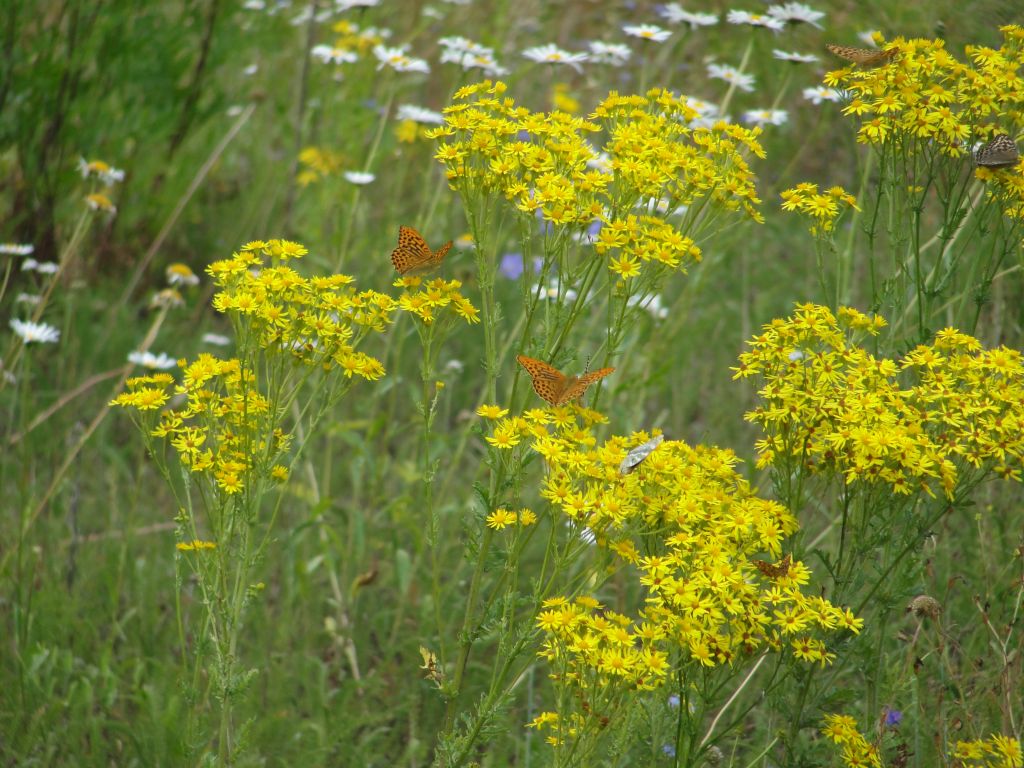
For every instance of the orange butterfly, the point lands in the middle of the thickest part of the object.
(413, 256)
(866, 57)
(553, 385)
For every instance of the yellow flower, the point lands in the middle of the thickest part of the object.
(500, 518)
(491, 411)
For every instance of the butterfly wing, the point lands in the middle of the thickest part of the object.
(1000, 152)
(412, 251)
(548, 382)
(577, 386)
(438, 256)
(866, 57)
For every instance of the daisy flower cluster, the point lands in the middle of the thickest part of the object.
(351, 43)
(822, 209)
(925, 98)
(470, 55)
(107, 175)
(705, 549)
(831, 406)
(544, 165)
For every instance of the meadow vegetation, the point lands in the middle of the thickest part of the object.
(467, 383)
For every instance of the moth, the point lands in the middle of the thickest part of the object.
(1000, 152)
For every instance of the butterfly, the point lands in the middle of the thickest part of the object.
(777, 570)
(553, 385)
(638, 454)
(1000, 152)
(866, 57)
(413, 256)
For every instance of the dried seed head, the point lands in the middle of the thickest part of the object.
(923, 606)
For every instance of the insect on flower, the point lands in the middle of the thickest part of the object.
(777, 570)
(413, 256)
(1000, 152)
(638, 454)
(554, 386)
(866, 57)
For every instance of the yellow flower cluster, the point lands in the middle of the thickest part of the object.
(927, 98)
(317, 320)
(502, 518)
(857, 752)
(692, 531)
(821, 208)
(318, 163)
(228, 430)
(1007, 189)
(351, 38)
(196, 545)
(435, 299)
(544, 165)
(995, 752)
(219, 432)
(834, 407)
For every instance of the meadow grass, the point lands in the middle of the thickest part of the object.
(334, 523)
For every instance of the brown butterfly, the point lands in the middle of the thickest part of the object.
(776, 571)
(413, 256)
(553, 385)
(1000, 152)
(866, 57)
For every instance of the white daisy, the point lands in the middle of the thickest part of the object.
(732, 75)
(216, 339)
(651, 303)
(344, 5)
(106, 173)
(35, 332)
(796, 13)
(485, 62)
(331, 55)
(251, 70)
(398, 60)
(615, 54)
(820, 93)
(673, 13)
(868, 37)
(17, 249)
(419, 115)
(161, 362)
(797, 58)
(551, 292)
(755, 20)
(647, 32)
(766, 116)
(27, 298)
(552, 54)
(42, 267)
(359, 178)
(462, 45)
